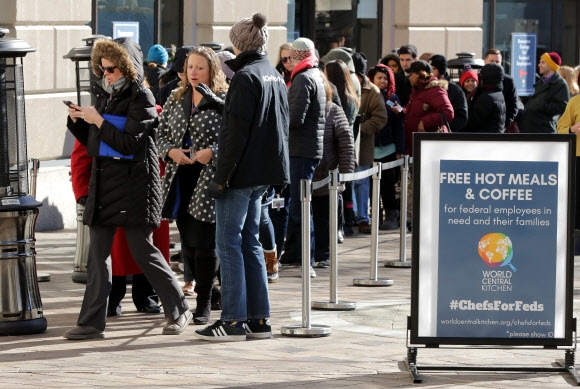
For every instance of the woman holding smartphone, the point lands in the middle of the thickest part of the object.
(123, 192)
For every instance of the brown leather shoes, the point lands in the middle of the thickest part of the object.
(84, 332)
(364, 228)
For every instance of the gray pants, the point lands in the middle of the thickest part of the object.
(146, 255)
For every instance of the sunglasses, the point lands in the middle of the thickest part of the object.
(108, 69)
(285, 59)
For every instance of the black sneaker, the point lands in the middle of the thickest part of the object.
(258, 330)
(221, 331)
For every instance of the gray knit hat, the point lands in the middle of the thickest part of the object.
(250, 34)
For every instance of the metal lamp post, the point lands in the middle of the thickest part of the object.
(20, 304)
(81, 56)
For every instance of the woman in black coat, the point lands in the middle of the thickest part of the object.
(487, 110)
(125, 188)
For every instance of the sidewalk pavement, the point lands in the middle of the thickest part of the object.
(366, 348)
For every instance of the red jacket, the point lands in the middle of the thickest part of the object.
(121, 259)
(425, 103)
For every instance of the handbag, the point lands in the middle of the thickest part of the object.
(444, 127)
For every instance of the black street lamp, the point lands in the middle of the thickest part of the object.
(20, 304)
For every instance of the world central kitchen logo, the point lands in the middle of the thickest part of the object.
(496, 251)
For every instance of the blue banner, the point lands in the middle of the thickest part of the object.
(497, 249)
(523, 69)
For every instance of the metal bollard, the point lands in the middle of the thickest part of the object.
(333, 304)
(402, 262)
(79, 274)
(306, 329)
(373, 280)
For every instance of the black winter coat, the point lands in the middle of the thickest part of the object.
(459, 102)
(307, 100)
(253, 141)
(338, 147)
(124, 193)
(487, 110)
(510, 95)
(545, 107)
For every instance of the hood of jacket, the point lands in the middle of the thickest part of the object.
(434, 82)
(125, 53)
(491, 75)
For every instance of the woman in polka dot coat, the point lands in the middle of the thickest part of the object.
(187, 139)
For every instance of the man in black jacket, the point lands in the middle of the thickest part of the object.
(510, 94)
(252, 154)
(454, 92)
(551, 95)
(407, 55)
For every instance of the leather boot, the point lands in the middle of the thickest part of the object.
(271, 264)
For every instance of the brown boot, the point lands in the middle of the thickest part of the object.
(271, 264)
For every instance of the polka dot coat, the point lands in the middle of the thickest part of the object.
(203, 127)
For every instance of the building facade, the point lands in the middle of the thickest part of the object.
(374, 27)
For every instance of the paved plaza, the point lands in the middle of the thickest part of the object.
(366, 349)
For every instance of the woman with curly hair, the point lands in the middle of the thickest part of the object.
(187, 139)
(124, 189)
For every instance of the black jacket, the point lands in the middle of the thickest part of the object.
(487, 111)
(125, 193)
(459, 102)
(510, 95)
(307, 100)
(253, 141)
(545, 107)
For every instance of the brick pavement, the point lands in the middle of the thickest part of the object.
(366, 349)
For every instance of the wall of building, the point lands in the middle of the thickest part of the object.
(211, 21)
(447, 29)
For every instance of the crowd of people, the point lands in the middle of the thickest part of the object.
(219, 142)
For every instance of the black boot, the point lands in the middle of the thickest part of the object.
(205, 271)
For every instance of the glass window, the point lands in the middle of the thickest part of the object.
(141, 11)
(171, 23)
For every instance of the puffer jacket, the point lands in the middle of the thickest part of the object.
(307, 101)
(124, 193)
(338, 147)
(487, 111)
(425, 103)
(373, 117)
(203, 126)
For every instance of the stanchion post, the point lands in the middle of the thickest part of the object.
(333, 304)
(373, 280)
(402, 261)
(35, 162)
(306, 329)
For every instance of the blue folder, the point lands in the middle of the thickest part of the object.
(104, 149)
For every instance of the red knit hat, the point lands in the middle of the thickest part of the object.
(553, 60)
(470, 73)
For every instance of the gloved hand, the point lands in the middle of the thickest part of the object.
(211, 101)
(215, 190)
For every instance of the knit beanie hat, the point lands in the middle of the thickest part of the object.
(553, 60)
(226, 56)
(179, 58)
(250, 34)
(157, 54)
(360, 64)
(467, 74)
(439, 62)
(339, 53)
(302, 48)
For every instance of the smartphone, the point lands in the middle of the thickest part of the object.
(68, 103)
(390, 103)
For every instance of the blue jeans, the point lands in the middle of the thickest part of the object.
(300, 168)
(267, 237)
(242, 265)
(361, 194)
